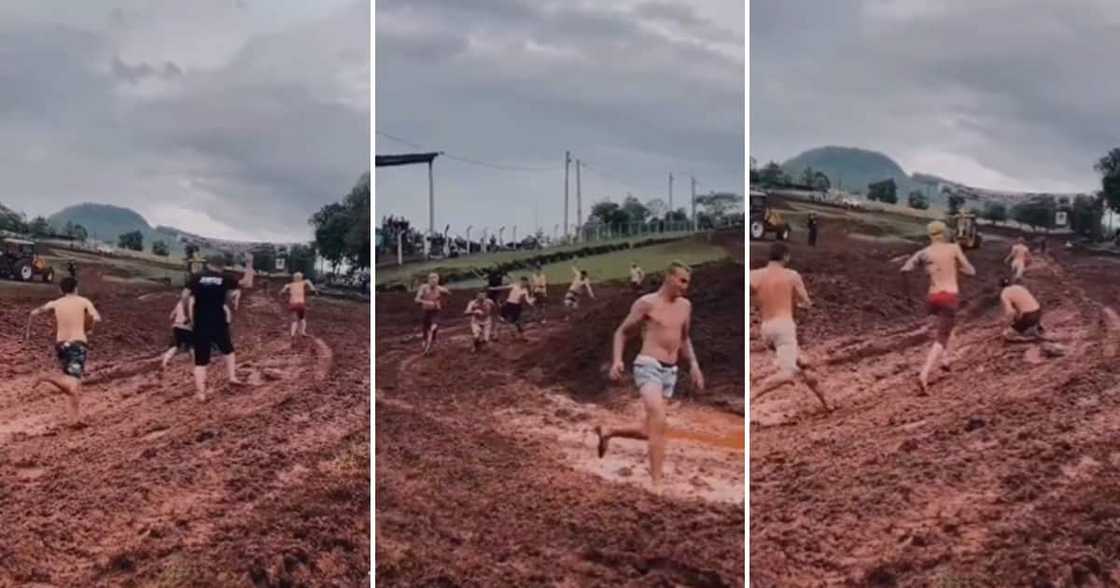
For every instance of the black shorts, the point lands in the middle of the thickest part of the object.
(211, 336)
(181, 339)
(1027, 321)
(494, 294)
(72, 357)
(511, 312)
(431, 319)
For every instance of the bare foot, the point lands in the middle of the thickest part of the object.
(603, 440)
(923, 388)
(200, 397)
(236, 382)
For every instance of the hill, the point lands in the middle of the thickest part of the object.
(852, 169)
(104, 222)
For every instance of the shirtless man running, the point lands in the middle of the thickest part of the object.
(777, 289)
(481, 311)
(74, 315)
(942, 260)
(637, 276)
(539, 286)
(515, 302)
(666, 316)
(1018, 257)
(580, 281)
(430, 298)
(1023, 309)
(297, 301)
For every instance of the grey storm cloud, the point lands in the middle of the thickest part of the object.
(235, 120)
(635, 89)
(1002, 94)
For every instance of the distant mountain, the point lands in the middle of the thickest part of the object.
(850, 168)
(102, 221)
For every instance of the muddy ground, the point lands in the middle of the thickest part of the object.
(1007, 474)
(263, 486)
(486, 466)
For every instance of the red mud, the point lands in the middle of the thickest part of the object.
(486, 470)
(1005, 475)
(266, 485)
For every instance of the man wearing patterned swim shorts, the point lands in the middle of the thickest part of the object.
(666, 316)
(777, 288)
(75, 316)
(942, 260)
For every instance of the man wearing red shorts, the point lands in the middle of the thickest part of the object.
(942, 260)
(297, 301)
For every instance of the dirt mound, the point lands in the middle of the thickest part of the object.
(266, 485)
(579, 358)
(1003, 471)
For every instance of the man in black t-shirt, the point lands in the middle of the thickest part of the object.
(210, 292)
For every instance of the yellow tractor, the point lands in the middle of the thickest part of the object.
(966, 232)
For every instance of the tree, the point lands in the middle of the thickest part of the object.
(1109, 168)
(1086, 214)
(884, 191)
(918, 200)
(133, 240)
(955, 201)
(636, 212)
(821, 182)
(69, 229)
(717, 205)
(996, 212)
(301, 258)
(609, 213)
(771, 174)
(807, 176)
(39, 227)
(160, 248)
(657, 208)
(80, 232)
(677, 216)
(1037, 213)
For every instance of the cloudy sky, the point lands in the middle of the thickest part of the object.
(231, 118)
(1001, 94)
(636, 89)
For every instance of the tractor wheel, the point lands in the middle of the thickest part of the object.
(977, 242)
(783, 234)
(24, 272)
(758, 229)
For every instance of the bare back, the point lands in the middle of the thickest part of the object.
(1018, 300)
(663, 325)
(942, 261)
(70, 314)
(1019, 253)
(297, 292)
(777, 289)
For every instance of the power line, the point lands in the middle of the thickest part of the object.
(471, 161)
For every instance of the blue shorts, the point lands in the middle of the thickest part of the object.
(648, 370)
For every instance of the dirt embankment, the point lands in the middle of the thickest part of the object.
(266, 486)
(1005, 475)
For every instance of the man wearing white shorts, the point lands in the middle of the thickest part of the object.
(666, 316)
(777, 289)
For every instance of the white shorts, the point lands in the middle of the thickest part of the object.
(781, 335)
(481, 329)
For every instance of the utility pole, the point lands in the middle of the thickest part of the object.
(670, 192)
(694, 223)
(567, 162)
(579, 205)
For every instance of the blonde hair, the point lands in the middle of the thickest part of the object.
(936, 229)
(675, 265)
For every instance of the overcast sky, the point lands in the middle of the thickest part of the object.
(1001, 94)
(230, 118)
(637, 89)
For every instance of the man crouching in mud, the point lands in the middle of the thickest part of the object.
(1024, 310)
(942, 260)
(777, 289)
(75, 315)
(666, 316)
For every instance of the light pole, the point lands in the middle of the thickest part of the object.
(484, 231)
(501, 240)
(469, 239)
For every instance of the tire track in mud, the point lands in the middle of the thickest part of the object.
(194, 471)
(945, 487)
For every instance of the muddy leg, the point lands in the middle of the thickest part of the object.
(170, 353)
(295, 325)
(772, 383)
(655, 428)
(935, 352)
(813, 384)
(200, 382)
